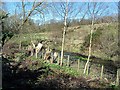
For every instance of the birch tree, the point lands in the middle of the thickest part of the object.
(95, 9)
(67, 11)
(65, 27)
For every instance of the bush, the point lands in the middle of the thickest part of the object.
(25, 43)
(95, 39)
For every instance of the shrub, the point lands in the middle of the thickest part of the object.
(95, 39)
(25, 43)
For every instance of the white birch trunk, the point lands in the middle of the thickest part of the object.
(65, 27)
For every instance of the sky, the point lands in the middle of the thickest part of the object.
(11, 6)
(64, 0)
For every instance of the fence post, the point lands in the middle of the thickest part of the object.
(36, 51)
(101, 76)
(58, 61)
(117, 78)
(42, 55)
(20, 45)
(51, 61)
(78, 64)
(32, 52)
(68, 61)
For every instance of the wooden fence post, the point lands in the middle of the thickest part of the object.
(20, 45)
(36, 52)
(58, 61)
(117, 78)
(78, 64)
(68, 61)
(101, 75)
(51, 61)
(42, 55)
(31, 52)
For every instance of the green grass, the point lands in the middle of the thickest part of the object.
(63, 69)
(60, 69)
(28, 37)
(80, 58)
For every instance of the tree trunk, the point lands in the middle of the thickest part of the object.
(65, 27)
(90, 46)
(88, 69)
(89, 54)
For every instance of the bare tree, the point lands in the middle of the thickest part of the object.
(67, 11)
(28, 13)
(36, 7)
(95, 9)
(65, 27)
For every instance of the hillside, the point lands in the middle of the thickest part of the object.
(16, 62)
(74, 39)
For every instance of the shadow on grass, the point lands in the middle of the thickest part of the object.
(15, 77)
